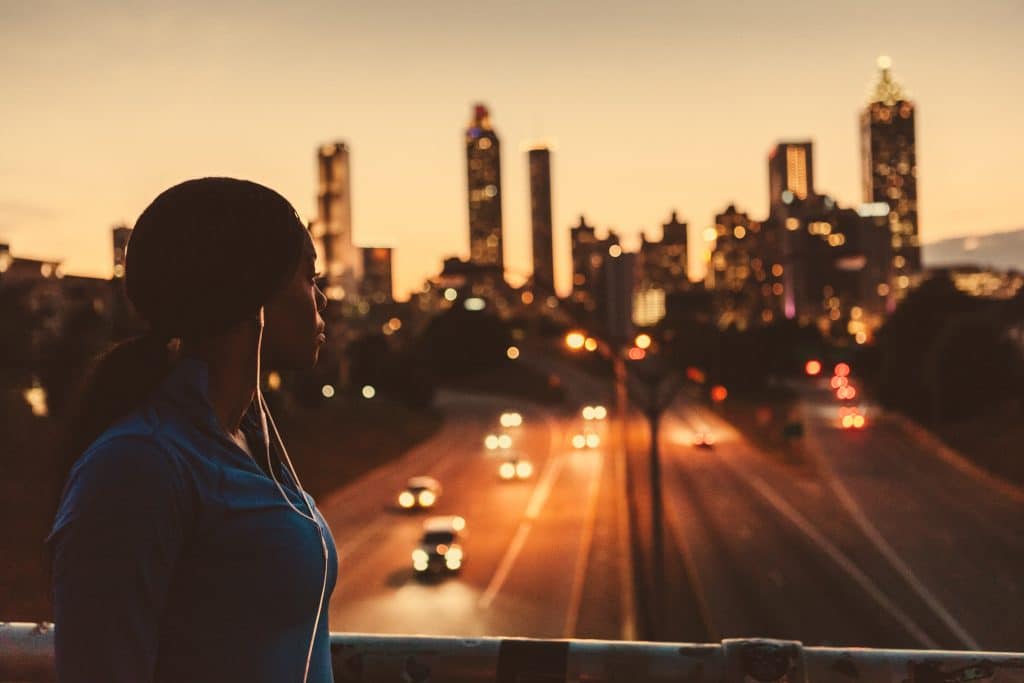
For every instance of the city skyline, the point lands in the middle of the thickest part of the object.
(632, 130)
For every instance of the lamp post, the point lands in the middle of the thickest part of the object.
(651, 386)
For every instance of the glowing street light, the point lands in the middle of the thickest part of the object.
(369, 392)
(575, 340)
(590, 344)
(643, 341)
(813, 368)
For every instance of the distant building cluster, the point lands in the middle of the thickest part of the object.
(842, 268)
(810, 259)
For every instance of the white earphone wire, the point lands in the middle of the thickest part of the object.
(264, 415)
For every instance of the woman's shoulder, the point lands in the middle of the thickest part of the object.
(128, 468)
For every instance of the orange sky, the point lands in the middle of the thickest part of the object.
(651, 106)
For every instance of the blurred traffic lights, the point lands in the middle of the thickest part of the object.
(695, 374)
(636, 353)
(813, 368)
(719, 393)
(842, 370)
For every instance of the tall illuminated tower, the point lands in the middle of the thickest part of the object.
(790, 172)
(332, 229)
(483, 172)
(889, 164)
(540, 220)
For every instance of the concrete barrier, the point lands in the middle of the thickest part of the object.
(26, 656)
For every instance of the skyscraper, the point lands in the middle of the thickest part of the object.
(332, 229)
(745, 272)
(889, 163)
(663, 264)
(376, 285)
(540, 220)
(790, 172)
(483, 173)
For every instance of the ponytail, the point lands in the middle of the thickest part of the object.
(118, 381)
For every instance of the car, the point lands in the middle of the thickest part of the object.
(703, 438)
(850, 417)
(597, 412)
(498, 442)
(420, 493)
(515, 468)
(440, 548)
(586, 439)
(511, 419)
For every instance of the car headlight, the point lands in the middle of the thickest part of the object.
(454, 553)
(419, 556)
(406, 499)
(453, 564)
(507, 470)
(524, 470)
(427, 498)
(579, 441)
(593, 440)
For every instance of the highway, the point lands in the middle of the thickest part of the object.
(870, 539)
(541, 555)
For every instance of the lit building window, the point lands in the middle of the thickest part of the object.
(484, 143)
(796, 170)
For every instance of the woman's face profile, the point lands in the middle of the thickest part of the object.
(293, 329)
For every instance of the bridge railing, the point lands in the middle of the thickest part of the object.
(26, 656)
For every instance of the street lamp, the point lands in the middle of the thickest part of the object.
(575, 340)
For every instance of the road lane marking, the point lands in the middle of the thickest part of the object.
(583, 555)
(826, 546)
(848, 502)
(690, 565)
(362, 536)
(537, 500)
(835, 554)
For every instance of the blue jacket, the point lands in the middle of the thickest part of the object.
(177, 559)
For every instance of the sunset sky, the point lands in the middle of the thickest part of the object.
(650, 106)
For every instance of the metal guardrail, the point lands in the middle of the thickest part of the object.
(26, 656)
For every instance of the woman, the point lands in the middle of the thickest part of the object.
(184, 547)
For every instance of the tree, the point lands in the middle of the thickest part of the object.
(972, 367)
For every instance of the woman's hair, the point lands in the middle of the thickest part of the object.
(203, 257)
